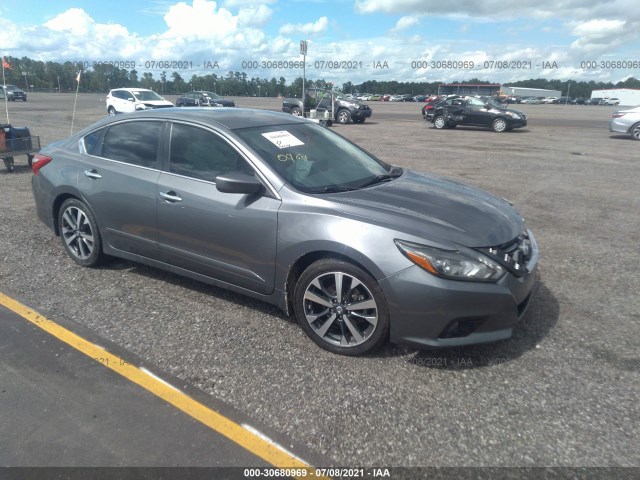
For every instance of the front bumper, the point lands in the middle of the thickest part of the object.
(427, 311)
(615, 125)
(361, 113)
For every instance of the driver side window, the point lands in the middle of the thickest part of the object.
(201, 154)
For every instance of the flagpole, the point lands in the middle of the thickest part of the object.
(73, 116)
(6, 101)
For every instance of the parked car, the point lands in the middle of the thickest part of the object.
(13, 93)
(550, 100)
(477, 111)
(566, 101)
(626, 121)
(286, 211)
(344, 110)
(593, 101)
(429, 108)
(124, 100)
(612, 101)
(530, 100)
(203, 98)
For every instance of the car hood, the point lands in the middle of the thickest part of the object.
(434, 209)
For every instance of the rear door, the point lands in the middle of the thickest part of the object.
(118, 180)
(229, 237)
(476, 112)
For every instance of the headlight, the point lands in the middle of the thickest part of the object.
(141, 107)
(452, 264)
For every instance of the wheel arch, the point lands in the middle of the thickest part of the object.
(60, 198)
(304, 261)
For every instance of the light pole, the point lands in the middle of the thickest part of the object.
(303, 52)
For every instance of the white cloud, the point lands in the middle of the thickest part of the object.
(405, 23)
(199, 20)
(246, 3)
(318, 26)
(254, 16)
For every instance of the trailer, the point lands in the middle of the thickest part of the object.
(16, 141)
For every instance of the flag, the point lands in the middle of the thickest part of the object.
(5, 64)
(78, 77)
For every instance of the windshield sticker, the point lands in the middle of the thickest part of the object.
(288, 157)
(282, 139)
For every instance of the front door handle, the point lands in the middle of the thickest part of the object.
(171, 196)
(92, 174)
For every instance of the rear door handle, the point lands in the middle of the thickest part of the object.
(171, 196)
(92, 174)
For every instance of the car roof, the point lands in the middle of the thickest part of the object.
(229, 118)
(127, 89)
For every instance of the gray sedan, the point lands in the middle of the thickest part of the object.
(281, 209)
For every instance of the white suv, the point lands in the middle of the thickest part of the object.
(121, 100)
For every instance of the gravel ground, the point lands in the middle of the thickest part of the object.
(562, 392)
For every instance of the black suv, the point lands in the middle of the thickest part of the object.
(477, 111)
(203, 98)
(14, 93)
(344, 109)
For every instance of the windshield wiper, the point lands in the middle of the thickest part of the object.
(338, 189)
(385, 177)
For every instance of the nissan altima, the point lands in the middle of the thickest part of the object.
(284, 210)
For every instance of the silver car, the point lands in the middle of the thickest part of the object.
(626, 121)
(281, 209)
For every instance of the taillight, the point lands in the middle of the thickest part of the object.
(38, 162)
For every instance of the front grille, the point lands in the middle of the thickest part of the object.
(513, 255)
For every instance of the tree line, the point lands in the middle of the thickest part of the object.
(54, 76)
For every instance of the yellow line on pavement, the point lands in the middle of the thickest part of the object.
(251, 442)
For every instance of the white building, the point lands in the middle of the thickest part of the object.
(629, 97)
(529, 92)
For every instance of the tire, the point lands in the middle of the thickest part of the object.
(30, 160)
(635, 131)
(24, 99)
(333, 323)
(296, 112)
(343, 116)
(499, 125)
(111, 111)
(79, 233)
(359, 120)
(440, 122)
(9, 163)
(197, 102)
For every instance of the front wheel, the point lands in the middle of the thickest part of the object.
(341, 307)
(111, 111)
(635, 131)
(343, 116)
(296, 112)
(499, 125)
(79, 233)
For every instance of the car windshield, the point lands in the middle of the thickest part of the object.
(146, 95)
(212, 95)
(313, 159)
(11, 87)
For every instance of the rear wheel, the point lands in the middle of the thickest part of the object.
(499, 125)
(296, 112)
(440, 122)
(635, 131)
(111, 111)
(9, 163)
(79, 233)
(341, 307)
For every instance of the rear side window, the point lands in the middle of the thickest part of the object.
(133, 142)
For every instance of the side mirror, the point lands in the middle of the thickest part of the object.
(238, 182)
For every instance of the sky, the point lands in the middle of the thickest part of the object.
(348, 40)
